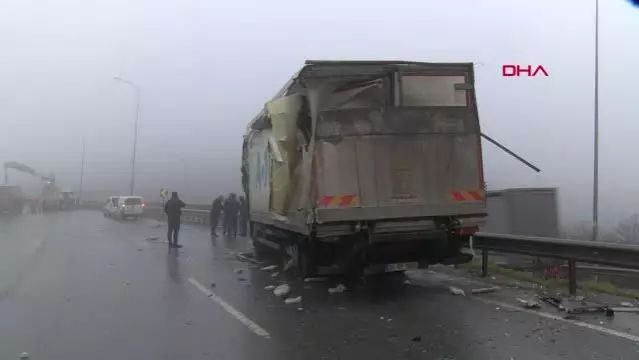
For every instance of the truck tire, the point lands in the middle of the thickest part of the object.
(298, 256)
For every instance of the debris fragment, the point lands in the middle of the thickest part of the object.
(315, 279)
(529, 304)
(407, 282)
(625, 309)
(590, 309)
(212, 284)
(269, 287)
(247, 257)
(338, 289)
(300, 309)
(296, 300)
(152, 238)
(269, 268)
(626, 304)
(127, 283)
(188, 322)
(241, 278)
(554, 301)
(275, 274)
(282, 290)
(578, 298)
(24, 355)
(416, 339)
(485, 290)
(238, 271)
(456, 291)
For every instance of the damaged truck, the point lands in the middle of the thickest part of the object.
(367, 167)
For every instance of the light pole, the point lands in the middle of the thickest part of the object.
(81, 173)
(595, 190)
(135, 130)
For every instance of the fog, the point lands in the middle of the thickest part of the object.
(204, 69)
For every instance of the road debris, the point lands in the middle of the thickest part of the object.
(269, 287)
(487, 290)
(300, 309)
(554, 301)
(282, 290)
(275, 274)
(238, 271)
(241, 278)
(295, 300)
(212, 284)
(528, 304)
(625, 309)
(269, 268)
(416, 339)
(338, 289)
(315, 279)
(456, 291)
(626, 304)
(248, 257)
(152, 238)
(24, 355)
(407, 282)
(591, 309)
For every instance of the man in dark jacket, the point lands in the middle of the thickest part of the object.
(231, 210)
(244, 212)
(216, 209)
(173, 210)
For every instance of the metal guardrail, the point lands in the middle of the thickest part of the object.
(601, 253)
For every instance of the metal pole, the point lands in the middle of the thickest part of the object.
(81, 172)
(135, 140)
(135, 131)
(572, 277)
(595, 190)
(484, 263)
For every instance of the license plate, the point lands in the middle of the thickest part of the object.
(401, 266)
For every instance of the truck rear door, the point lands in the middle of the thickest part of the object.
(416, 153)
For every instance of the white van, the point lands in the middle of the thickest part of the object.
(124, 206)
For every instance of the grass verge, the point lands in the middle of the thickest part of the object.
(591, 286)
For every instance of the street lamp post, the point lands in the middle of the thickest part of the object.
(82, 172)
(595, 190)
(135, 130)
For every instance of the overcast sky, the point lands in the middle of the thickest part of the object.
(204, 68)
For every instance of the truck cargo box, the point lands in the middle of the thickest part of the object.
(367, 141)
(381, 161)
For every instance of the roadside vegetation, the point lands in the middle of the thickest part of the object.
(589, 286)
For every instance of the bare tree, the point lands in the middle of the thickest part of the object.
(628, 229)
(579, 231)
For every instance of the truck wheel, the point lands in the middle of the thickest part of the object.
(295, 259)
(261, 250)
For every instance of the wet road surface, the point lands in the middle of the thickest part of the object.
(78, 286)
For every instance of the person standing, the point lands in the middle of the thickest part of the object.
(216, 210)
(173, 210)
(244, 215)
(231, 210)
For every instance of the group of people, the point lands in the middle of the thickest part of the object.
(235, 219)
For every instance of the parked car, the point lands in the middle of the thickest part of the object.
(11, 200)
(124, 206)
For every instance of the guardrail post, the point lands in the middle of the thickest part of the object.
(484, 263)
(572, 277)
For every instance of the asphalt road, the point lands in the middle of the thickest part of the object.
(78, 286)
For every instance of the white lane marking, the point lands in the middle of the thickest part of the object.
(231, 310)
(546, 315)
